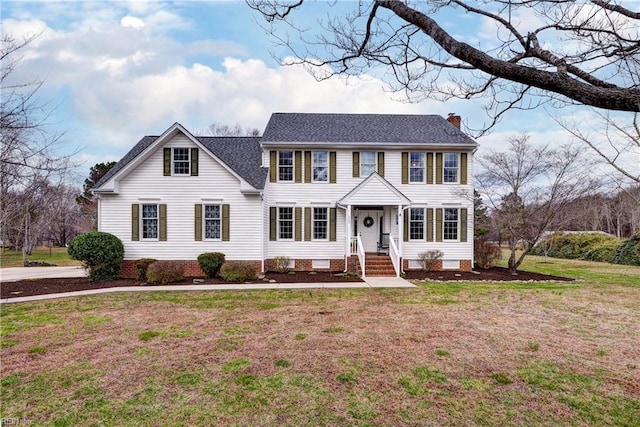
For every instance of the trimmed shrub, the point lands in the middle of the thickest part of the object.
(571, 246)
(164, 272)
(429, 259)
(210, 263)
(141, 266)
(101, 254)
(629, 252)
(238, 271)
(603, 252)
(486, 254)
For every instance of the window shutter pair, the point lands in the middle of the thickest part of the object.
(356, 164)
(198, 223)
(273, 224)
(307, 167)
(166, 164)
(463, 224)
(135, 222)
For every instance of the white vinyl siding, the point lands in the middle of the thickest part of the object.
(144, 182)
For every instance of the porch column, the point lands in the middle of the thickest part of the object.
(347, 232)
(401, 236)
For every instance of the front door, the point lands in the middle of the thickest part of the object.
(369, 228)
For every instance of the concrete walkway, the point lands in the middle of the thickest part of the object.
(370, 282)
(23, 273)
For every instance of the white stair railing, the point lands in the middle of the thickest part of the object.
(394, 254)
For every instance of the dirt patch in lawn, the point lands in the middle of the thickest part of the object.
(24, 288)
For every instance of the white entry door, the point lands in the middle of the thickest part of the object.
(369, 228)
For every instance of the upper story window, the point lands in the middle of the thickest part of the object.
(320, 223)
(416, 224)
(367, 163)
(149, 221)
(181, 161)
(450, 224)
(450, 167)
(285, 165)
(212, 222)
(416, 167)
(285, 223)
(320, 166)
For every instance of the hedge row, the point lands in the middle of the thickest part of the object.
(590, 247)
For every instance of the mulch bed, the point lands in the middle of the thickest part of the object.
(24, 288)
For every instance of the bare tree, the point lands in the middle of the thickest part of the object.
(220, 129)
(27, 147)
(583, 52)
(526, 187)
(615, 139)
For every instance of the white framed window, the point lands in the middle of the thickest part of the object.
(320, 223)
(450, 224)
(367, 163)
(285, 223)
(416, 224)
(149, 221)
(416, 167)
(181, 161)
(320, 166)
(285, 166)
(450, 167)
(212, 222)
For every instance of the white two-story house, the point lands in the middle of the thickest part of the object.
(327, 191)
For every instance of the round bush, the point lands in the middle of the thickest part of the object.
(629, 252)
(210, 263)
(238, 271)
(164, 272)
(101, 253)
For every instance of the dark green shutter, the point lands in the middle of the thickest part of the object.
(405, 167)
(194, 161)
(463, 168)
(332, 167)
(381, 163)
(225, 223)
(405, 216)
(463, 224)
(135, 222)
(332, 224)
(429, 168)
(429, 224)
(273, 166)
(438, 168)
(307, 166)
(297, 166)
(439, 225)
(167, 161)
(356, 164)
(197, 222)
(163, 222)
(273, 219)
(307, 224)
(298, 224)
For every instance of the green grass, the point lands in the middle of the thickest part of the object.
(57, 256)
(508, 354)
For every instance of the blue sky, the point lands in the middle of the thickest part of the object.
(120, 70)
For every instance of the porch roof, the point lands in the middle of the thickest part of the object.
(374, 190)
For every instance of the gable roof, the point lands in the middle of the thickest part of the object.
(242, 155)
(376, 184)
(363, 128)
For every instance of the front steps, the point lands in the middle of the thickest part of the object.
(379, 265)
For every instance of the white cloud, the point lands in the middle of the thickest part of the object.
(132, 21)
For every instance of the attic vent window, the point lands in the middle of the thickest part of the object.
(181, 161)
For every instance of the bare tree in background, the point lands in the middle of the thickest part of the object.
(220, 129)
(27, 148)
(527, 187)
(580, 52)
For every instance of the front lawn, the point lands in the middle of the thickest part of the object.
(57, 256)
(444, 354)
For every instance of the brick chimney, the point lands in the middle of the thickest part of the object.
(454, 119)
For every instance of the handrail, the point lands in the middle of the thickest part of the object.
(361, 255)
(394, 254)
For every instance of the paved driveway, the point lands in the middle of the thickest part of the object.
(21, 273)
